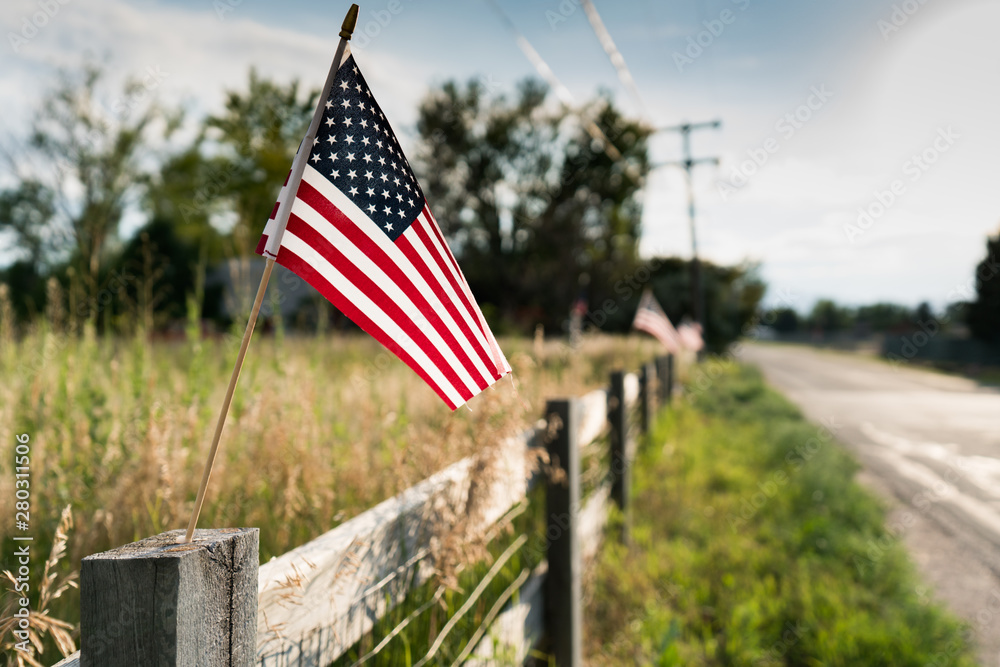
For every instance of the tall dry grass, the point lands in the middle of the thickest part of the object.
(321, 428)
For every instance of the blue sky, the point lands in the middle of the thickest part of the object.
(922, 86)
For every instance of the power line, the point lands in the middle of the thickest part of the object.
(616, 57)
(561, 91)
(688, 164)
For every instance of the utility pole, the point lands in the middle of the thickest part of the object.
(688, 163)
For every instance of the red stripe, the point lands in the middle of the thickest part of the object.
(437, 232)
(405, 244)
(360, 280)
(419, 230)
(290, 260)
(320, 204)
(274, 211)
(261, 244)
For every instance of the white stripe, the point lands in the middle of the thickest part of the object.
(370, 229)
(392, 290)
(445, 253)
(425, 253)
(371, 309)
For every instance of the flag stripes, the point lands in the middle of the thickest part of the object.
(409, 295)
(651, 319)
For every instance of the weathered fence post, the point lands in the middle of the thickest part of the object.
(646, 375)
(665, 373)
(156, 602)
(563, 606)
(618, 421)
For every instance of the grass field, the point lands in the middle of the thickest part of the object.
(321, 429)
(752, 545)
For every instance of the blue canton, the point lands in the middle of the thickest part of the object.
(356, 150)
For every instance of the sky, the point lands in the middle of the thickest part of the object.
(857, 140)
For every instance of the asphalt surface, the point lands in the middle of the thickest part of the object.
(930, 445)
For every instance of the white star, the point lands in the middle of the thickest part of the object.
(352, 191)
(347, 122)
(369, 175)
(409, 202)
(399, 197)
(350, 157)
(368, 158)
(388, 226)
(371, 208)
(352, 175)
(368, 92)
(401, 214)
(388, 211)
(331, 139)
(381, 161)
(361, 105)
(346, 104)
(396, 180)
(357, 87)
(364, 123)
(334, 156)
(383, 177)
(349, 139)
(408, 187)
(335, 173)
(315, 140)
(329, 121)
(379, 143)
(355, 68)
(344, 84)
(365, 140)
(329, 104)
(370, 192)
(316, 157)
(385, 193)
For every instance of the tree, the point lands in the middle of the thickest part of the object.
(786, 320)
(258, 134)
(828, 317)
(538, 212)
(983, 314)
(99, 160)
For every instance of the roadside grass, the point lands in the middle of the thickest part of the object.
(322, 428)
(753, 545)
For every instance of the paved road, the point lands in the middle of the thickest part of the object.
(930, 443)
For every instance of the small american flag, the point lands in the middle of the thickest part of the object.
(361, 233)
(690, 335)
(651, 319)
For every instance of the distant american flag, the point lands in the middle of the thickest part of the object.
(651, 319)
(361, 233)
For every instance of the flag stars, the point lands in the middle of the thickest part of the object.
(381, 161)
(368, 158)
(388, 211)
(357, 87)
(365, 140)
(347, 121)
(344, 84)
(370, 192)
(335, 173)
(395, 181)
(353, 191)
(329, 121)
(401, 214)
(399, 197)
(331, 139)
(385, 193)
(349, 139)
(364, 123)
(369, 175)
(316, 157)
(346, 104)
(378, 143)
(350, 157)
(388, 226)
(352, 175)
(384, 178)
(334, 156)
(329, 104)
(371, 208)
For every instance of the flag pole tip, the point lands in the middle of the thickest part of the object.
(350, 22)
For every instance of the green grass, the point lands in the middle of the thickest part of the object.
(751, 546)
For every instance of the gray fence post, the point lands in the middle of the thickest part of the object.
(646, 375)
(618, 421)
(157, 602)
(665, 373)
(563, 606)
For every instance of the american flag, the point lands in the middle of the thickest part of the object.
(361, 233)
(651, 319)
(690, 335)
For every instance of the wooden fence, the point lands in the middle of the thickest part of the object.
(157, 602)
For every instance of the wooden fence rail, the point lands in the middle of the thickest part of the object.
(315, 602)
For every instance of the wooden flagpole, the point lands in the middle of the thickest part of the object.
(298, 166)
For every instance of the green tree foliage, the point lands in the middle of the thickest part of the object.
(983, 314)
(827, 317)
(537, 210)
(258, 134)
(97, 148)
(786, 320)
